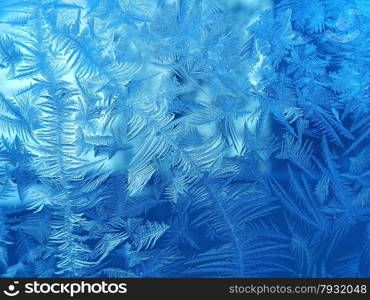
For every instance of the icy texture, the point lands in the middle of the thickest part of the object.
(184, 138)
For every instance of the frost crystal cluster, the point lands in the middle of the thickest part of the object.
(184, 138)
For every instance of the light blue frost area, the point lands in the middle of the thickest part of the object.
(184, 138)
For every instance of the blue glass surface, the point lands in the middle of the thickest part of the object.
(184, 138)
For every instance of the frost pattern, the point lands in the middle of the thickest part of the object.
(184, 138)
